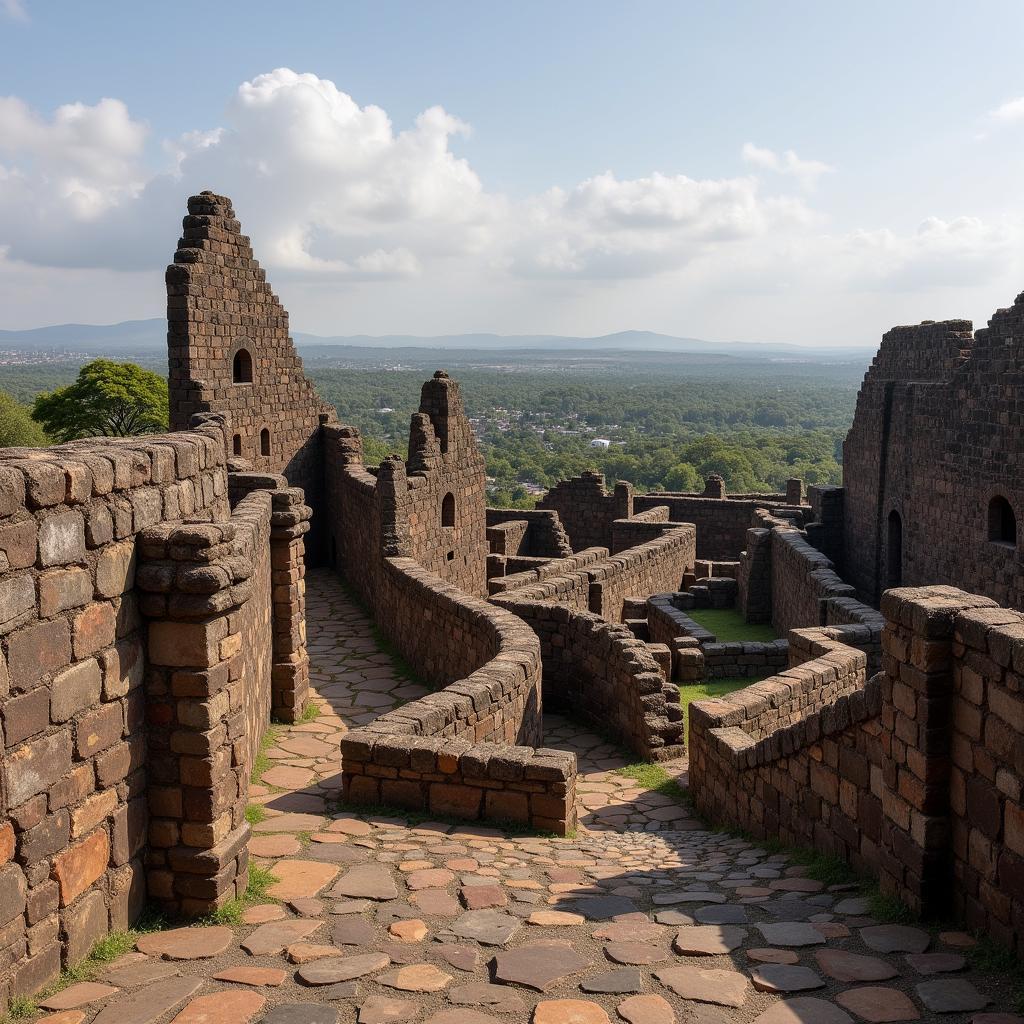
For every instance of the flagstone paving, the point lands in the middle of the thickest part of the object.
(644, 916)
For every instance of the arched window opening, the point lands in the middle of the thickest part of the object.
(448, 510)
(264, 441)
(894, 551)
(241, 367)
(1002, 523)
(236, 444)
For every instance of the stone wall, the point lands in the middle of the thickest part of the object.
(544, 535)
(786, 581)
(115, 556)
(469, 749)
(586, 510)
(430, 508)
(220, 308)
(601, 672)
(640, 528)
(549, 569)
(699, 650)
(603, 586)
(912, 776)
(721, 523)
(935, 440)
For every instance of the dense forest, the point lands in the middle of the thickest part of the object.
(668, 421)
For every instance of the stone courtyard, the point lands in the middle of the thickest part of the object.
(643, 916)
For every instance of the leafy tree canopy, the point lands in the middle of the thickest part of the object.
(108, 399)
(17, 428)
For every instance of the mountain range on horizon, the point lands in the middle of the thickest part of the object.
(146, 335)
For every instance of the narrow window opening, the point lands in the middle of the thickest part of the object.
(448, 510)
(1002, 523)
(241, 367)
(236, 444)
(264, 441)
(894, 551)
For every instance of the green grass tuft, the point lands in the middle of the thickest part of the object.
(653, 777)
(255, 813)
(20, 1008)
(889, 908)
(230, 913)
(260, 880)
(729, 626)
(261, 762)
(310, 713)
(711, 688)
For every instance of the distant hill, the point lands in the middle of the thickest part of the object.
(142, 335)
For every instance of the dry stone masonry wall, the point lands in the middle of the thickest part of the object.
(92, 603)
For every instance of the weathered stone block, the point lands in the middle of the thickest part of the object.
(75, 689)
(62, 539)
(35, 766)
(81, 864)
(35, 651)
(93, 628)
(98, 730)
(85, 923)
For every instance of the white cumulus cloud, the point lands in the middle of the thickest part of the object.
(806, 172)
(1011, 110)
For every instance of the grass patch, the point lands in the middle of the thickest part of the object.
(729, 626)
(888, 908)
(20, 1008)
(653, 777)
(711, 688)
(255, 813)
(261, 762)
(230, 913)
(310, 713)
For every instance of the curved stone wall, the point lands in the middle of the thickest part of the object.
(470, 749)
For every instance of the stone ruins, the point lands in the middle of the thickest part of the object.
(153, 624)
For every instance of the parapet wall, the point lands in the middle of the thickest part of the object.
(586, 510)
(468, 749)
(602, 584)
(601, 671)
(139, 619)
(911, 776)
(721, 523)
(543, 536)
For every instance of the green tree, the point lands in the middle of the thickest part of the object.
(108, 399)
(17, 428)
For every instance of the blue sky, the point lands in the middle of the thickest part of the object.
(787, 171)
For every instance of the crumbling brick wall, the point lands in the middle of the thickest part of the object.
(721, 523)
(543, 536)
(786, 581)
(602, 585)
(430, 508)
(911, 776)
(586, 510)
(219, 305)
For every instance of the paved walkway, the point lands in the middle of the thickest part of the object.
(644, 917)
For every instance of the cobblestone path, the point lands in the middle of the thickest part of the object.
(644, 917)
